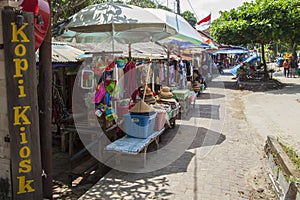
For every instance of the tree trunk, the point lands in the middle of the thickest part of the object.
(293, 49)
(264, 60)
(45, 110)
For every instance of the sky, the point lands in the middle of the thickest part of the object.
(202, 8)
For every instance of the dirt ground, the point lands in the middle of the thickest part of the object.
(258, 182)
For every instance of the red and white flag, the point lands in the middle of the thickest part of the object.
(204, 23)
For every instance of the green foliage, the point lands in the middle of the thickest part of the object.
(292, 153)
(63, 9)
(261, 21)
(142, 3)
(147, 4)
(250, 23)
(190, 17)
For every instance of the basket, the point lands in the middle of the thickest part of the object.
(139, 126)
(160, 120)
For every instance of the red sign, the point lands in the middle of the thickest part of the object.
(28, 5)
(41, 11)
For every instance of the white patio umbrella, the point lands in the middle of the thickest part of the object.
(125, 23)
(184, 31)
(87, 42)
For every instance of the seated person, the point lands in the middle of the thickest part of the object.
(198, 77)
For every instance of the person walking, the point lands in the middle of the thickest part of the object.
(286, 68)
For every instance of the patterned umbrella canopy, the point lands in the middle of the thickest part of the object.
(125, 23)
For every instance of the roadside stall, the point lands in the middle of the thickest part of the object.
(141, 120)
(117, 88)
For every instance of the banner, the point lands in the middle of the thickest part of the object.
(21, 83)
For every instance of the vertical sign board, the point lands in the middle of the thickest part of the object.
(21, 80)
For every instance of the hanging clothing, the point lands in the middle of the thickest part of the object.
(156, 72)
(144, 70)
(130, 83)
(172, 74)
(182, 75)
(162, 73)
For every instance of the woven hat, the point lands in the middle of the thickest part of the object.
(165, 89)
(141, 107)
(168, 100)
(165, 93)
(150, 99)
(149, 92)
(196, 83)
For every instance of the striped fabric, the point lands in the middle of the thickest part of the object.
(131, 145)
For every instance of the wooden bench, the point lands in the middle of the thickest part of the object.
(82, 169)
(81, 164)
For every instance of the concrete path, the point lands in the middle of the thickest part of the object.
(276, 112)
(224, 161)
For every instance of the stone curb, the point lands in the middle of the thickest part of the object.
(259, 85)
(284, 172)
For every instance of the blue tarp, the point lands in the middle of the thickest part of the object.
(279, 61)
(250, 60)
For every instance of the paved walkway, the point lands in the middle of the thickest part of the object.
(276, 112)
(224, 161)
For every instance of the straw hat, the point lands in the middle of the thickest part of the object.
(165, 89)
(150, 99)
(165, 93)
(149, 92)
(168, 100)
(141, 107)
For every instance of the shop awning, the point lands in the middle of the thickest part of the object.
(231, 51)
(63, 53)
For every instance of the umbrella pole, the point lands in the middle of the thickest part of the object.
(116, 70)
(129, 51)
(168, 67)
(146, 82)
(153, 75)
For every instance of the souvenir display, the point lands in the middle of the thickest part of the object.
(165, 93)
(149, 98)
(140, 110)
(100, 93)
(87, 79)
(140, 121)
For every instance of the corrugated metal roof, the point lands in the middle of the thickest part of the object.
(63, 53)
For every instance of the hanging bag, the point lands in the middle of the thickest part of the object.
(100, 92)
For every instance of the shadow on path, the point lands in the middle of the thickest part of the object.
(211, 96)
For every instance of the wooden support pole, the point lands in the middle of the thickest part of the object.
(45, 110)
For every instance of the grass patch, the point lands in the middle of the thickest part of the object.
(292, 153)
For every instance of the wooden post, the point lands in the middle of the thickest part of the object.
(45, 109)
(23, 121)
(5, 172)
